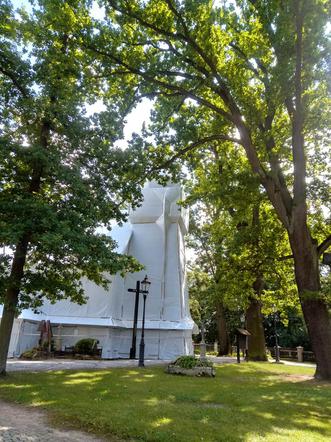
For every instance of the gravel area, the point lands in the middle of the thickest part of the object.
(23, 424)
(73, 364)
(78, 364)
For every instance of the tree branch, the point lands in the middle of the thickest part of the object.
(324, 245)
(162, 84)
(249, 65)
(228, 109)
(222, 90)
(285, 258)
(24, 92)
(193, 145)
(299, 161)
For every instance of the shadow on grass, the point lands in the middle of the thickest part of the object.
(242, 403)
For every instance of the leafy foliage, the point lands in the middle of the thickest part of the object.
(192, 362)
(290, 328)
(62, 180)
(86, 346)
(237, 240)
(254, 76)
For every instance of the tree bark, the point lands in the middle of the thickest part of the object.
(223, 337)
(11, 301)
(254, 324)
(254, 319)
(315, 310)
(19, 259)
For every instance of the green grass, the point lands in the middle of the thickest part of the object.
(246, 402)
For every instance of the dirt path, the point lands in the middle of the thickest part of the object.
(22, 424)
(74, 364)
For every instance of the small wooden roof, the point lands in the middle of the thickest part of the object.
(243, 331)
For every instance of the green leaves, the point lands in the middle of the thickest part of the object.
(61, 177)
(236, 237)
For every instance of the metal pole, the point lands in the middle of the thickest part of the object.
(238, 348)
(203, 343)
(142, 340)
(135, 321)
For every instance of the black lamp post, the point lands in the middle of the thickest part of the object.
(137, 291)
(145, 289)
(135, 319)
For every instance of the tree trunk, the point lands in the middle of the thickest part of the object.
(254, 324)
(6, 326)
(254, 319)
(17, 269)
(11, 301)
(223, 337)
(315, 310)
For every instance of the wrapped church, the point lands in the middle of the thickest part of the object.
(154, 234)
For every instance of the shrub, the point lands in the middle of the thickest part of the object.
(191, 362)
(33, 353)
(212, 353)
(86, 346)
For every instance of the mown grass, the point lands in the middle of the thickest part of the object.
(250, 402)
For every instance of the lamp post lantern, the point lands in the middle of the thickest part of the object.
(145, 289)
(141, 287)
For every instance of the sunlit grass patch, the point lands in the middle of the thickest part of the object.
(246, 402)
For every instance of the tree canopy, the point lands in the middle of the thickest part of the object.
(62, 181)
(240, 247)
(252, 73)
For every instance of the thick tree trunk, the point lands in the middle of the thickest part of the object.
(254, 319)
(305, 254)
(223, 337)
(17, 270)
(254, 324)
(6, 326)
(11, 300)
(315, 310)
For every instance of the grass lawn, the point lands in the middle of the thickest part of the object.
(246, 402)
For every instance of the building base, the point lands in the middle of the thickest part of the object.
(115, 342)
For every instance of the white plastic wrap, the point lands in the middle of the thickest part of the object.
(155, 236)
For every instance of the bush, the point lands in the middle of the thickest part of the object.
(191, 362)
(87, 346)
(33, 353)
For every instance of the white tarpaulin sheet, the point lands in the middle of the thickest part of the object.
(154, 235)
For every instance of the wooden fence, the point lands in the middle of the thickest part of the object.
(293, 354)
(210, 348)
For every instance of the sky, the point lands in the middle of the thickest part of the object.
(134, 121)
